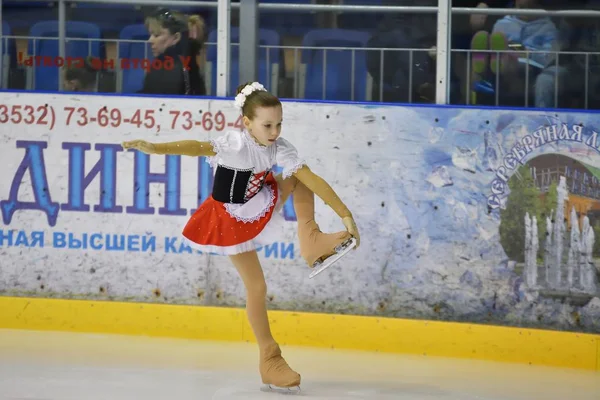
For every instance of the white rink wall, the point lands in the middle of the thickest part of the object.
(425, 185)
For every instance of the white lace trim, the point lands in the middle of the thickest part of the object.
(267, 236)
(232, 208)
(217, 147)
(223, 250)
(212, 160)
(290, 171)
(253, 142)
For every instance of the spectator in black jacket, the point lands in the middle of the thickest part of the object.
(170, 40)
(419, 31)
(404, 31)
(583, 59)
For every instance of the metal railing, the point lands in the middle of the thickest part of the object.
(299, 70)
(443, 48)
(362, 84)
(524, 59)
(31, 72)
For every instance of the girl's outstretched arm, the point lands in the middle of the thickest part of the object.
(183, 147)
(321, 188)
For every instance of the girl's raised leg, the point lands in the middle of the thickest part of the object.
(314, 244)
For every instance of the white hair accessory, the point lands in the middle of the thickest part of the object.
(240, 99)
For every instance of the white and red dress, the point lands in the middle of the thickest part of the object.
(245, 194)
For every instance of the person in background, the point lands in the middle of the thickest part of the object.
(180, 38)
(419, 30)
(404, 31)
(464, 26)
(521, 33)
(477, 22)
(79, 78)
(583, 67)
(197, 36)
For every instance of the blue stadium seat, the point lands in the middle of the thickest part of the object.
(115, 17)
(23, 14)
(109, 17)
(9, 47)
(9, 54)
(45, 78)
(133, 79)
(268, 67)
(335, 65)
(285, 22)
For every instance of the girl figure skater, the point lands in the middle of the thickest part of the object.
(234, 220)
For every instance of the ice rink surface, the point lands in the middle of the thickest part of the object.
(68, 366)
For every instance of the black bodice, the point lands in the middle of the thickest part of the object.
(236, 186)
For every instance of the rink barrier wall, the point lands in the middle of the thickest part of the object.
(386, 335)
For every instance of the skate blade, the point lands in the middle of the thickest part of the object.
(282, 390)
(340, 251)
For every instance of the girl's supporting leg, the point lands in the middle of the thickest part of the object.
(250, 270)
(273, 368)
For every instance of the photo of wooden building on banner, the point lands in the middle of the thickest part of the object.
(583, 183)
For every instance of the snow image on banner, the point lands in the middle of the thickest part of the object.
(484, 215)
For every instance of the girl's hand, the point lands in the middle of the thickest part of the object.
(352, 229)
(141, 145)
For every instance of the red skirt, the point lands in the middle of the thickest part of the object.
(213, 229)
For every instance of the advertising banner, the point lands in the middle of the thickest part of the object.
(481, 215)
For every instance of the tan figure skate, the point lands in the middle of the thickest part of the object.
(275, 373)
(320, 250)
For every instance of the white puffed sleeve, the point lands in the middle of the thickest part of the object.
(287, 157)
(229, 143)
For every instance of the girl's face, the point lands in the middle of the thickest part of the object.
(161, 38)
(265, 127)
